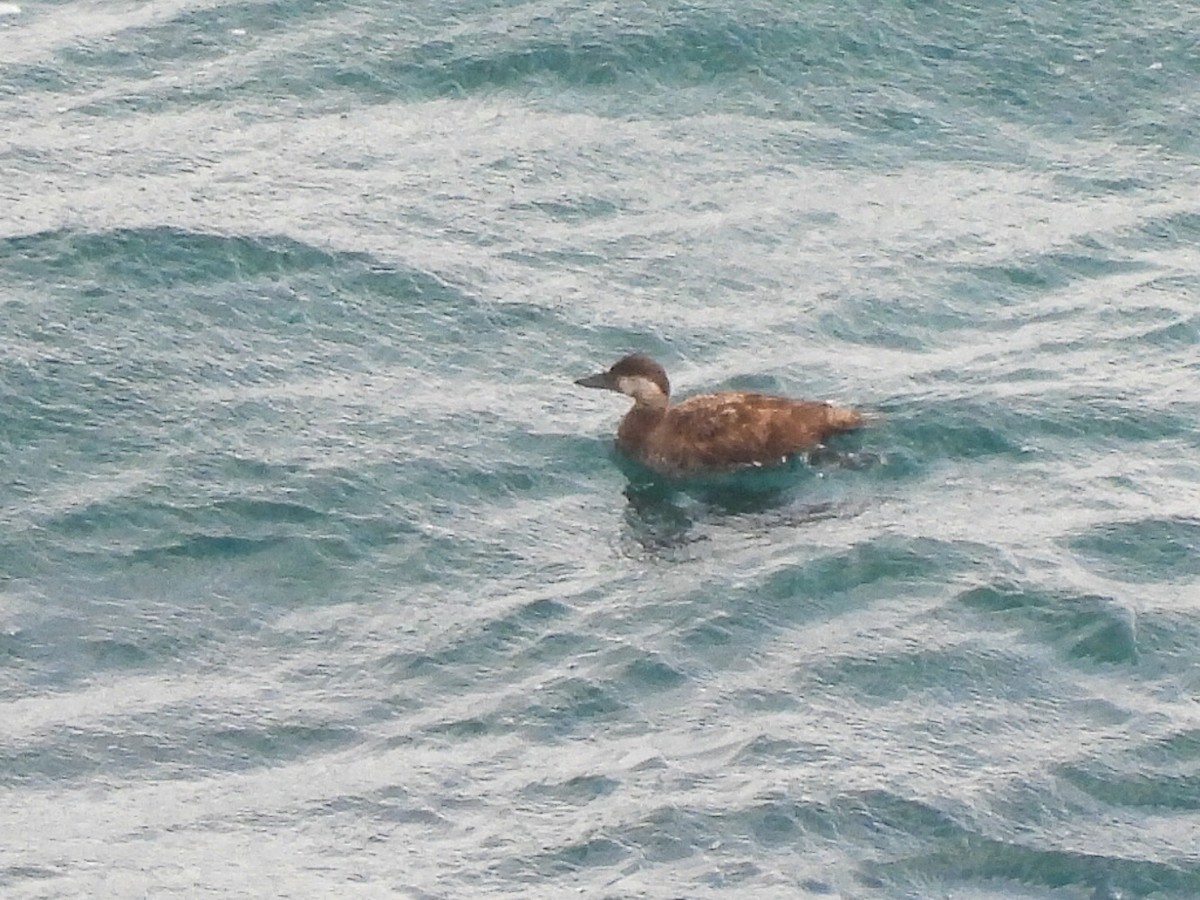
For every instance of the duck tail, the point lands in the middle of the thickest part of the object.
(846, 419)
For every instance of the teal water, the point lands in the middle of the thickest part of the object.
(319, 577)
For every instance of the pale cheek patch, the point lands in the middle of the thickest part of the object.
(642, 389)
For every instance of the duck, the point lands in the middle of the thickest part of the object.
(716, 432)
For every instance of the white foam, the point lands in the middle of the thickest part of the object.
(9, 9)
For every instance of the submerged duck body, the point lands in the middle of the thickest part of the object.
(713, 432)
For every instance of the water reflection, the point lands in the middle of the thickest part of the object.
(664, 516)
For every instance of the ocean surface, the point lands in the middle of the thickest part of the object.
(320, 578)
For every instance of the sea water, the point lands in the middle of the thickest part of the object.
(320, 578)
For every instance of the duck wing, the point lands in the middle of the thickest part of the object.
(737, 428)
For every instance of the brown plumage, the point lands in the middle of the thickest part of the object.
(713, 432)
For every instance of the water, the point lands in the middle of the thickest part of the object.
(318, 576)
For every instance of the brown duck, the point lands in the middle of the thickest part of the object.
(713, 432)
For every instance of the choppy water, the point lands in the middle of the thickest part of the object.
(318, 576)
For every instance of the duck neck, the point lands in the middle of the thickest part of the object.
(639, 422)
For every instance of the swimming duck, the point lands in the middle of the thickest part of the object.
(713, 432)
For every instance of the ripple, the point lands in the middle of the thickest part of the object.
(566, 705)
(577, 791)
(774, 751)
(1152, 791)
(13, 875)
(1143, 550)
(887, 676)
(650, 674)
(976, 859)
(878, 561)
(391, 805)
(141, 749)
(141, 257)
(593, 853)
(956, 431)
(1091, 626)
(496, 643)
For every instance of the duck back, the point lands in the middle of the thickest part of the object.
(711, 432)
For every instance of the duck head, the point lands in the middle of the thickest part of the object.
(636, 375)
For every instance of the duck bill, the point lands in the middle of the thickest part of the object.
(599, 380)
